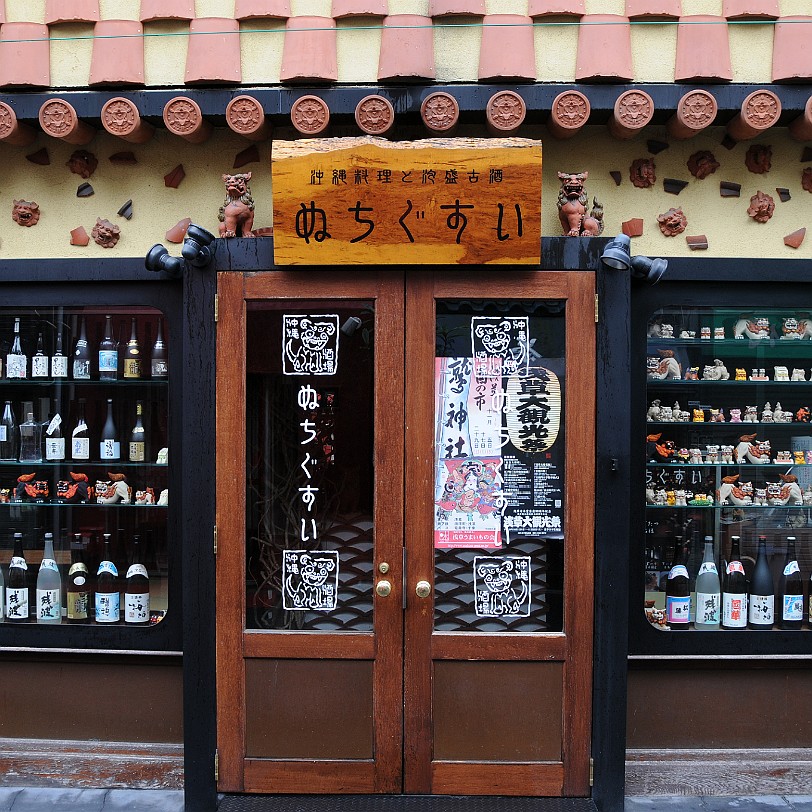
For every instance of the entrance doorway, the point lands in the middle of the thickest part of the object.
(405, 468)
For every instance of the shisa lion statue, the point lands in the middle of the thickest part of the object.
(237, 212)
(572, 203)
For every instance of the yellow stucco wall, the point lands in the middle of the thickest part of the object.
(157, 208)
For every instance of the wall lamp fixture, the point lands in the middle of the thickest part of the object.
(196, 251)
(617, 255)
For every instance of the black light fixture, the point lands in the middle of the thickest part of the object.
(351, 325)
(617, 255)
(195, 252)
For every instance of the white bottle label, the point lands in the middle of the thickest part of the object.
(793, 608)
(110, 450)
(160, 368)
(734, 610)
(55, 449)
(707, 566)
(707, 607)
(761, 609)
(48, 604)
(678, 570)
(39, 366)
(678, 610)
(80, 448)
(735, 566)
(3, 436)
(2, 601)
(108, 607)
(59, 366)
(108, 361)
(16, 366)
(136, 452)
(56, 422)
(16, 603)
(49, 564)
(16, 561)
(107, 566)
(81, 369)
(791, 567)
(136, 607)
(137, 569)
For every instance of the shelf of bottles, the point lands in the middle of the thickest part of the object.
(728, 470)
(84, 486)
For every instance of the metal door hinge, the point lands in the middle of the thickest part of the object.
(591, 772)
(216, 765)
(596, 309)
(217, 307)
(215, 539)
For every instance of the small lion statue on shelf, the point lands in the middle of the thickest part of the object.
(572, 203)
(237, 212)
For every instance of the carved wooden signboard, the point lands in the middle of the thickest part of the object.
(367, 201)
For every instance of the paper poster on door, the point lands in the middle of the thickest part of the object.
(500, 345)
(502, 586)
(310, 344)
(310, 580)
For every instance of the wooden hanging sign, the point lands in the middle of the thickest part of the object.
(368, 201)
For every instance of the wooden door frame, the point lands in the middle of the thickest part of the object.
(234, 643)
(574, 646)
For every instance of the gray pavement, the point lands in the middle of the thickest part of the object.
(713, 803)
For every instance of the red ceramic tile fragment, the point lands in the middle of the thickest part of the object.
(754, 9)
(407, 48)
(167, 10)
(703, 51)
(795, 240)
(79, 236)
(13, 131)
(71, 11)
(178, 231)
(604, 49)
(633, 227)
(174, 178)
(266, 231)
(653, 8)
(359, 8)
(792, 55)
(118, 53)
(543, 8)
(250, 155)
(801, 128)
(123, 158)
(445, 8)
(697, 243)
(214, 51)
(507, 50)
(256, 9)
(40, 157)
(310, 50)
(25, 55)
(616, 176)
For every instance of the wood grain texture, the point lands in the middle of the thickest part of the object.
(344, 646)
(496, 778)
(505, 646)
(267, 776)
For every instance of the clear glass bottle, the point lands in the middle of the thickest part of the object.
(708, 591)
(108, 353)
(30, 440)
(54, 439)
(49, 586)
(80, 436)
(81, 355)
(8, 434)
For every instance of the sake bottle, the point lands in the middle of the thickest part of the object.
(708, 591)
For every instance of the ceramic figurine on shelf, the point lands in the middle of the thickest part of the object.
(726, 453)
(759, 375)
(705, 333)
(680, 498)
(752, 450)
(659, 451)
(779, 415)
(719, 333)
(76, 489)
(668, 369)
(735, 415)
(783, 458)
(5, 496)
(802, 415)
(717, 416)
(808, 456)
(716, 372)
(750, 414)
(698, 416)
(683, 455)
(798, 374)
(696, 456)
(660, 497)
(653, 413)
(760, 496)
(767, 413)
(808, 495)
(731, 492)
(650, 500)
(145, 497)
(741, 374)
(712, 454)
(700, 500)
(163, 499)
(781, 374)
(793, 329)
(670, 498)
(755, 328)
(655, 329)
(788, 491)
(163, 457)
(688, 334)
(113, 490)
(667, 331)
(30, 489)
(798, 458)
(666, 415)
(692, 374)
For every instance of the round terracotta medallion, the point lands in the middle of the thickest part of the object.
(440, 111)
(245, 115)
(374, 114)
(761, 109)
(506, 111)
(120, 117)
(697, 109)
(310, 115)
(182, 115)
(58, 118)
(8, 121)
(570, 110)
(634, 109)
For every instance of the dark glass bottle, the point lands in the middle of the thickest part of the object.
(132, 355)
(790, 591)
(80, 436)
(54, 438)
(59, 361)
(761, 602)
(39, 361)
(678, 588)
(108, 598)
(17, 585)
(109, 445)
(734, 590)
(136, 592)
(81, 355)
(8, 434)
(159, 359)
(138, 435)
(78, 590)
(108, 353)
(16, 360)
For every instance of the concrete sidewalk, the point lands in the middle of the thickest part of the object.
(713, 803)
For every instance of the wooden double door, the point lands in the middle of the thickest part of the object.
(405, 479)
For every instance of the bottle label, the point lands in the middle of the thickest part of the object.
(761, 609)
(707, 566)
(3, 436)
(734, 610)
(56, 422)
(80, 448)
(78, 605)
(110, 450)
(39, 366)
(735, 566)
(16, 366)
(132, 367)
(137, 569)
(17, 603)
(17, 561)
(55, 449)
(107, 566)
(791, 567)
(81, 369)
(707, 607)
(108, 361)
(2, 602)
(78, 567)
(675, 572)
(136, 607)
(793, 608)
(59, 366)
(678, 610)
(160, 368)
(136, 452)
(108, 607)
(49, 564)
(48, 604)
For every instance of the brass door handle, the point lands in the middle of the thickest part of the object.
(423, 589)
(383, 588)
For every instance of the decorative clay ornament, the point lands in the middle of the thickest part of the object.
(237, 212)
(76, 489)
(25, 213)
(762, 207)
(113, 490)
(756, 327)
(31, 489)
(572, 203)
(672, 222)
(752, 450)
(105, 233)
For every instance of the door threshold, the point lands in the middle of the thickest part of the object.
(400, 803)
